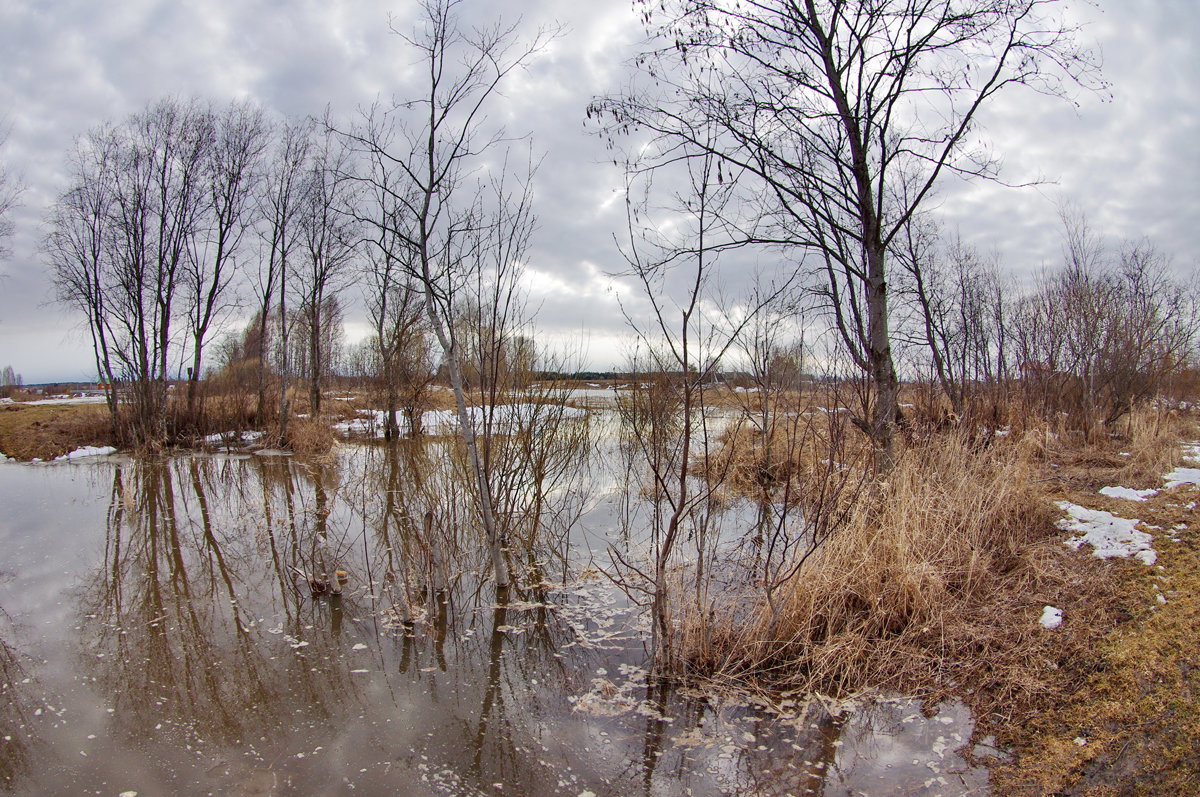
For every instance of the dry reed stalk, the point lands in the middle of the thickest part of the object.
(935, 580)
(309, 437)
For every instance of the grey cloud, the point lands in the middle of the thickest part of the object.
(1130, 163)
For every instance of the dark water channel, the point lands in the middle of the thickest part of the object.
(159, 639)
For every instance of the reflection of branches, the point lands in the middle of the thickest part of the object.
(16, 739)
(173, 643)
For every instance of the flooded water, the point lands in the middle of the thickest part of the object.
(170, 627)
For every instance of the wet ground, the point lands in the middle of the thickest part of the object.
(170, 628)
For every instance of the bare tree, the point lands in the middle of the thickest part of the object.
(119, 240)
(11, 189)
(279, 207)
(77, 249)
(396, 306)
(422, 152)
(826, 110)
(238, 140)
(1104, 332)
(328, 240)
(684, 342)
(960, 305)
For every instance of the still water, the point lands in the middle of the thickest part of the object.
(163, 634)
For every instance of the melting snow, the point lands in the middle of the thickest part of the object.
(1108, 534)
(1183, 476)
(1051, 617)
(1128, 494)
(87, 451)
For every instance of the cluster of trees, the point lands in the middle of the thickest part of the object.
(1109, 328)
(146, 240)
(174, 214)
(170, 211)
(10, 381)
(822, 130)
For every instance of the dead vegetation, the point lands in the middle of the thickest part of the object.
(46, 431)
(934, 583)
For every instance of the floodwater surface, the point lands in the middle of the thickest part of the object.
(171, 627)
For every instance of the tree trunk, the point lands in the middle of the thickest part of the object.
(283, 363)
(467, 424)
(314, 362)
(879, 353)
(391, 429)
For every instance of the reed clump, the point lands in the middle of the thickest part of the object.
(931, 586)
(310, 437)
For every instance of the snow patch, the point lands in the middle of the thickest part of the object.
(78, 399)
(87, 451)
(1051, 617)
(1183, 476)
(1108, 534)
(1128, 493)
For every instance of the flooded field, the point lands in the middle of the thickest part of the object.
(244, 624)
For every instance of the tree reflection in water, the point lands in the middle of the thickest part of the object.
(172, 622)
(224, 673)
(17, 740)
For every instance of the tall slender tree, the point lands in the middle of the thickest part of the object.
(422, 152)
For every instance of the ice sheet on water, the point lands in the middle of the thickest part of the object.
(1108, 534)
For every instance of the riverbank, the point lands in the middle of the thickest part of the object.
(1045, 582)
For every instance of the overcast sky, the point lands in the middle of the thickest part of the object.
(1127, 157)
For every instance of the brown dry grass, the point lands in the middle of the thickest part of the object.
(310, 437)
(46, 431)
(935, 582)
(1135, 698)
(935, 585)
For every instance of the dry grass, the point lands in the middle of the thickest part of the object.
(933, 571)
(1136, 699)
(46, 431)
(934, 586)
(310, 437)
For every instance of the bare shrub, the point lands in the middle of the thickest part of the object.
(1105, 334)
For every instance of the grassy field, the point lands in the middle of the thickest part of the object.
(46, 431)
(1128, 720)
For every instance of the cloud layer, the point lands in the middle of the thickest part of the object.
(1129, 162)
